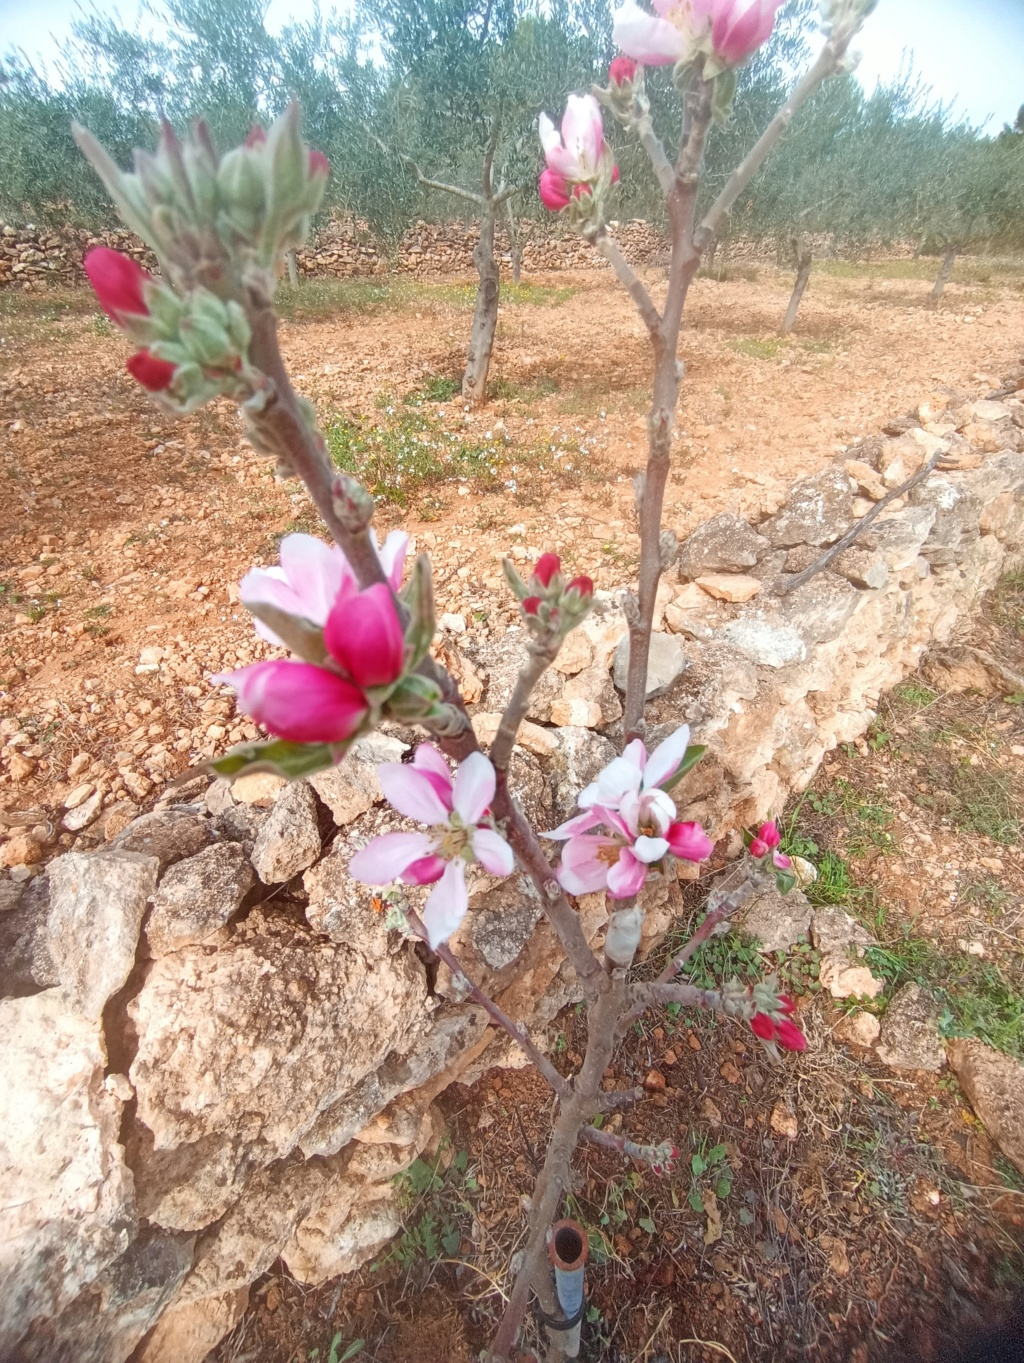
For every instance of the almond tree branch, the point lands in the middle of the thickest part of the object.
(468, 194)
(611, 1140)
(608, 247)
(830, 60)
(516, 1030)
(541, 656)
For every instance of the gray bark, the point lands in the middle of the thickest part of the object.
(485, 312)
(803, 274)
(515, 245)
(946, 269)
(293, 268)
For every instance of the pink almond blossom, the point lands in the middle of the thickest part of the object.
(726, 31)
(457, 812)
(299, 701)
(311, 576)
(577, 156)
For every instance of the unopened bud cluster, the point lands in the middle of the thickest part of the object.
(551, 606)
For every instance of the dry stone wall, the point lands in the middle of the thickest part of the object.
(34, 257)
(216, 1054)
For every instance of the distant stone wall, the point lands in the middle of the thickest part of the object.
(35, 257)
(215, 1052)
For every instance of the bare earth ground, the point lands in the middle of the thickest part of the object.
(123, 534)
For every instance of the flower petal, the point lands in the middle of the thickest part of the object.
(689, 842)
(580, 823)
(583, 132)
(412, 793)
(492, 852)
(647, 39)
(424, 871)
(363, 632)
(617, 779)
(650, 849)
(316, 572)
(550, 137)
(446, 905)
(384, 859)
(474, 787)
(583, 871)
(627, 876)
(659, 809)
(392, 555)
(666, 758)
(298, 701)
(432, 764)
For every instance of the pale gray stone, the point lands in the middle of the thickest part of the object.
(289, 840)
(97, 902)
(504, 918)
(26, 965)
(863, 568)
(170, 835)
(725, 543)
(776, 921)
(352, 787)
(819, 511)
(665, 663)
(763, 643)
(910, 1031)
(994, 1085)
(198, 896)
(581, 754)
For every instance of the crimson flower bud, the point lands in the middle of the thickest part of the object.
(583, 584)
(554, 190)
(758, 848)
(530, 605)
(769, 834)
(782, 862)
(256, 136)
(117, 281)
(761, 1025)
(547, 566)
(789, 1036)
(319, 164)
(154, 374)
(615, 175)
(622, 71)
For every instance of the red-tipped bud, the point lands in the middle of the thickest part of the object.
(554, 190)
(154, 374)
(787, 1004)
(256, 136)
(615, 175)
(789, 1036)
(758, 848)
(319, 164)
(769, 834)
(578, 191)
(118, 283)
(547, 566)
(782, 862)
(622, 71)
(761, 1025)
(530, 605)
(582, 584)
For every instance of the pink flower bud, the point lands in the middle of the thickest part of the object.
(364, 634)
(578, 191)
(299, 701)
(787, 1004)
(547, 566)
(789, 1036)
(689, 842)
(319, 164)
(154, 374)
(737, 32)
(782, 862)
(530, 605)
(256, 136)
(769, 834)
(582, 584)
(615, 175)
(758, 848)
(554, 190)
(761, 1025)
(117, 281)
(622, 71)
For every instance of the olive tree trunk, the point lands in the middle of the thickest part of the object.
(945, 270)
(485, 312)
(293, 268)
(802, 251)
(515, 245)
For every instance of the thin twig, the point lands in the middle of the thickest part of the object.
(798, 580)
(516, 1030)
(609, 248)
(541, 655)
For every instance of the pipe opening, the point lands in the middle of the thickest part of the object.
(568, 1244)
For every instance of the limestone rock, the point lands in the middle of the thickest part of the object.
(862, 567)
(259, 788)
(351, 788)
(725, 543)
(819, 610)
(501, 660)
(734, 587)
(988, 410)
(289, 841)
(841, 940)
(170, 835)
(576, 654)
(579, 711)
(345, 1231)
(531, 736)
(666, 662)
(97, 902)
(957, 512)
(504, 919)
(899, 536)
(188, 1333)
(858, 1028)
(26, 965)
(775, 920)
(244, 1046)
(763, 643)
(66, 1193)
(198, 896)
(910, 1031)
(866, 478)
(818, 511)
(338, 905)
(593, 685)
(994, 1085)
(83, 814)
(581, 755)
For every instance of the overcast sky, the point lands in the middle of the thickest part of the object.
(969, 51)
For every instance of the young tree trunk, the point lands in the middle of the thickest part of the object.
(485, 313)
(293, 268)
(946, 269)
(803, 274)
(920, 245)
(709, 255)
(515, 245)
